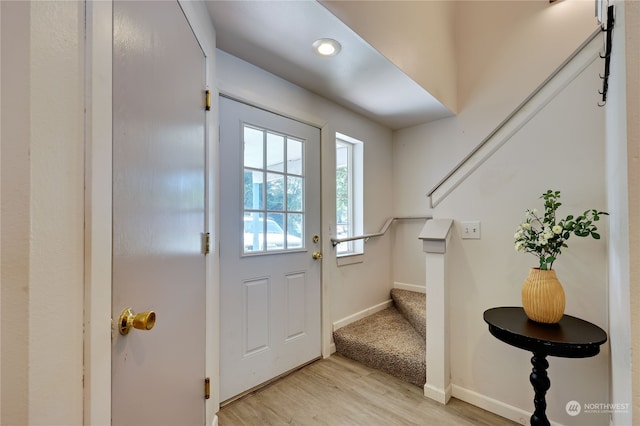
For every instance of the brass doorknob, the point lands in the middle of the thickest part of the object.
(316, 255)
(142, 321)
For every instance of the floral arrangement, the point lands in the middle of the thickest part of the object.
(546, 236)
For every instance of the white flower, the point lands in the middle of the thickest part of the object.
(547, 232)
(543, 236)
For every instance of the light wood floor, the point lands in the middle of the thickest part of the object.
(340, 392)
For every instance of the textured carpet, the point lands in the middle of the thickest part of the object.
(412, 306)
(387, 341)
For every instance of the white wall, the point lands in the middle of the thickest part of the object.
(555, 150)
(617, 199)
(14, 228)
(632, 52)
(42, 212)
(623, 144)
(346, 289)
(500, 64)
(42, 246)
(417, 36)
(41, 268)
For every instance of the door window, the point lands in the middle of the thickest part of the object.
(273, 191)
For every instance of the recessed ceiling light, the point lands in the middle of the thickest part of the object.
(326, 47)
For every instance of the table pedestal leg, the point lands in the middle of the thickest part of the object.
(541, 384)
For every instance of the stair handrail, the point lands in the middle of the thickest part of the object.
(385, 227)
(506, 120)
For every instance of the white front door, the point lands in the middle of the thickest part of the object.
(158, 215)
(270, 227)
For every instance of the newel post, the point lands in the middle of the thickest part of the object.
(435, 238)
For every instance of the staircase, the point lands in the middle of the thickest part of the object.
(392, 340)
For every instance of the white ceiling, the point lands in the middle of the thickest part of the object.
(277, 36)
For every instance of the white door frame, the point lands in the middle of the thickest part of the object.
(98, 206)
(281, 352)
(239, 93)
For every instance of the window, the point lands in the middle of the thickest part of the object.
(349, 194)
(273, 213)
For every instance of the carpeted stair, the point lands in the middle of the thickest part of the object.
(392, 340)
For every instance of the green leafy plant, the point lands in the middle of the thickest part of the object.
(546, 236)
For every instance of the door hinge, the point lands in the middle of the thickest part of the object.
(207, 100)
(206, 242)
(207, 388)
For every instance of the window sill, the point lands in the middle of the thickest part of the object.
(350, 259)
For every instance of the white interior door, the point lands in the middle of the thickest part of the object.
(270, 223)
(158, 215)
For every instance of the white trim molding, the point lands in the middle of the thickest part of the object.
(439, 395)
(98, 220)
(435, 236)
(493, 405)
(98, 207)
(362, 314)
(418, 288)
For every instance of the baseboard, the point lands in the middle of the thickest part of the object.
(332, 348)
(215, 420)
(492, 405)
(362, 314)
(439, 395)
(410, 287)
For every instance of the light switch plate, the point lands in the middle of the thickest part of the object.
(470, 230)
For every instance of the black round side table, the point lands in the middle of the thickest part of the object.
(570, 338)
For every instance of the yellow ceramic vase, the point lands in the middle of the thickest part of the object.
(543, 297)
